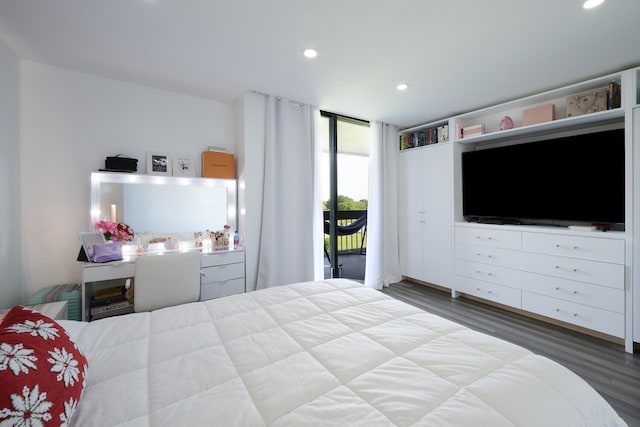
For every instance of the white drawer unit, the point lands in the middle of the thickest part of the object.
(487, 264)
(596, 249)
(570, 276)
(505, 239)
(222, 274)
(604, 321)
(93, 272)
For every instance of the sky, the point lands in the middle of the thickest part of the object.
(353, 176)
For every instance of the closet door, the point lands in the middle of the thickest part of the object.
(410, 213)
(437, 189)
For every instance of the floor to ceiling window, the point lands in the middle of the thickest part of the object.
(345, 178)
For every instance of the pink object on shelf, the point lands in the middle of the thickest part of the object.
(539, 114)
(506, 123)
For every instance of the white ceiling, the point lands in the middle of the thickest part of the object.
(456, 55)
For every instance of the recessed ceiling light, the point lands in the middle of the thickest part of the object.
(590, 4)
(310, 53)
(402, 86)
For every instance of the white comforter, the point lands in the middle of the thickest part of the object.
(320, 353)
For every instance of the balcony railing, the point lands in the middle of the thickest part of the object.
(351, 233)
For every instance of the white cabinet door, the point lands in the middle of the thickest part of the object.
(437, 185)
(410, 214)
(425, 182)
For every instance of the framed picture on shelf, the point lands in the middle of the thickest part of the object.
(158, 163)
(184, 165)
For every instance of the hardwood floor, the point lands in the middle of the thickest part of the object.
(604, 365)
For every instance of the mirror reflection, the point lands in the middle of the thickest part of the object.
(151, 204)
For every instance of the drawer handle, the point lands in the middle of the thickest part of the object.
(483, 255)
(575, 270)
(202, 273)
(573, 314)
(486, 238)
(567, 246)
(480, 272)
(557, 288)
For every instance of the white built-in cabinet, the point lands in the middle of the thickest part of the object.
(587, 279)
(570, 276)
(425, 219)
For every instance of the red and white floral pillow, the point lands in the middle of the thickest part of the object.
(42, 372)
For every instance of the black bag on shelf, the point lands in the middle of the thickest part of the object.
(120, 163)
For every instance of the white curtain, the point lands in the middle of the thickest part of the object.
(383, 260)
(290, 249)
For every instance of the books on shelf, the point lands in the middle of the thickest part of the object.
(424, 137)
(613, 96)
(110, 302)
(111, 307)
(111, 292)
(116, 312)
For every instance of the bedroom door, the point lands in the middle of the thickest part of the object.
(345, 178)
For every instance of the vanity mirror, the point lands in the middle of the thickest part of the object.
(159, 204)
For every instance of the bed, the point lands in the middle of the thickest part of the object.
(318, 353)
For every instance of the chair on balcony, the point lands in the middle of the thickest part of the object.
(347, 230)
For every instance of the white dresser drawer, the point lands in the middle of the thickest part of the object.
(221, 289)
(599, 273)
(110, 271)
(489, 255)
(505, 239)
(577, 292)
(592, 248)
(219, 258)
(597, 319)
(222, 272)
(490, 291)
(489, 273)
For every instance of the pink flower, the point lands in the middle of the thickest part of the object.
(116, 232)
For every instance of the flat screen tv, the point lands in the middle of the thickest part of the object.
(576, 179)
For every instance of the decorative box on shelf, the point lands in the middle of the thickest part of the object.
(539, 114)
(587, 102)
(473, 130)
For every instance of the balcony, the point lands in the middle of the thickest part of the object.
(352, 244)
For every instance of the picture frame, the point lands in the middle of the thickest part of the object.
(184, 165)
(89, 239)
(159, 163)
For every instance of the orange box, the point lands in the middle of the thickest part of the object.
(218, 165)
(539, 114)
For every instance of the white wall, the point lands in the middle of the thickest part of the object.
(69, 123)
(11, 291)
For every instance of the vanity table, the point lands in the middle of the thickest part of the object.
(164, 205)
(222, 274)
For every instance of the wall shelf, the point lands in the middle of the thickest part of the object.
(540, 129)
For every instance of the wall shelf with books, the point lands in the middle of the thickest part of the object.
(582, 105)
(423, 135)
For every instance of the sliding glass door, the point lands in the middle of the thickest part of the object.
(345, 177)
